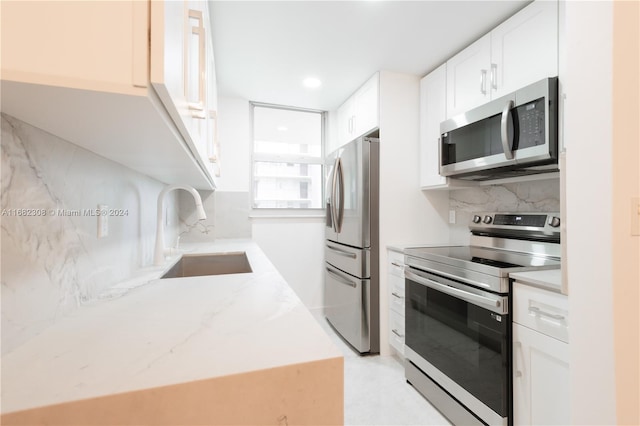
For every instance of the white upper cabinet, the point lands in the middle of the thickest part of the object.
(433, 107)
(345, 116)
(110, 77)
(468, 77)
(520, 51)
(359, 114)
(524, 49)
(366, 106)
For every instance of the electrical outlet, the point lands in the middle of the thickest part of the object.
(103, 221)
(452, 216)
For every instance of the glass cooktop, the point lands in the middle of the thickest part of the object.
(496, 258)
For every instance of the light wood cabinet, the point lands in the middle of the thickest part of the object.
(520, 51)
(110, 77)
(541, 374)
(359, 114)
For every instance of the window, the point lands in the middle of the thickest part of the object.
(287, 157)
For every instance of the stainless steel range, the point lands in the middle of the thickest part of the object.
(458, 319)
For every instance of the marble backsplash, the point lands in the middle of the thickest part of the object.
(532, 196)
(52, 260)
(227, 216)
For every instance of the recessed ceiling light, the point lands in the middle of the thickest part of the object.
(311, 82)
(282, 128)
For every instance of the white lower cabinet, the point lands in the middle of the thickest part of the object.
(541, 383)
(395, 278)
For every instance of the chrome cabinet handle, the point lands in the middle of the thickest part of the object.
(504, 130)
(494, 76)
(341, 279)
(397, 295)
(537, 311)
(397, 333)
(397, 264)
(197, 106)
(483, 82)
(516, 345)
(342, 252)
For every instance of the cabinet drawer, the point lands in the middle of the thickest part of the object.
(395, 262)
(541, 310)
(396, 331)
(396, 294)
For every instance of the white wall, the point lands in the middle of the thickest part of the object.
(294, 245)
(588, 134)
(407, 215)
(234, 133)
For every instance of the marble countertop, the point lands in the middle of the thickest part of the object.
(148, 332)
(549, 279)
(400, 247)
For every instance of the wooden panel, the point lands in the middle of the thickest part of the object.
(301, 394)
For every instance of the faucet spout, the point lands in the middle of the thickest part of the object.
(159, 255)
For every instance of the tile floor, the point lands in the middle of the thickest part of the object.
(376, 392)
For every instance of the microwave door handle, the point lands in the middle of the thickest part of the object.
(507, 145)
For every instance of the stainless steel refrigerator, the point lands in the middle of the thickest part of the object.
(351, 281)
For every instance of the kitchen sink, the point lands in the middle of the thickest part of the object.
(195, 265)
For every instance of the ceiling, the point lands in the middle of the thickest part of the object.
(264, 49)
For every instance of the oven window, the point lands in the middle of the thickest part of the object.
(467, 343)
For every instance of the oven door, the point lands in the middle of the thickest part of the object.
(460, 337)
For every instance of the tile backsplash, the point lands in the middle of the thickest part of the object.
(532, 196)
(52, 260)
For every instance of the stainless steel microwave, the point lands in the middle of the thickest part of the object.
(514, 135)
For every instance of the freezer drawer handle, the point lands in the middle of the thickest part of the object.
(341, 279)
(342, 252)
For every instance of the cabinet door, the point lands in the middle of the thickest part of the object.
(540, 378)
(468, 75)
(346, 119)
(196, 74)
(524, 49)
(167, 73)
(366, 107)
(84, 45)
(433, 94)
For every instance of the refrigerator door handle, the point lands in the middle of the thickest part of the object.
(340, 213)
(334, 182)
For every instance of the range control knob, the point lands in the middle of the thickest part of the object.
(487, 219)
(476, 218)
(554, 221)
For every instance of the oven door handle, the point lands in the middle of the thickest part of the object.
(495, 305)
